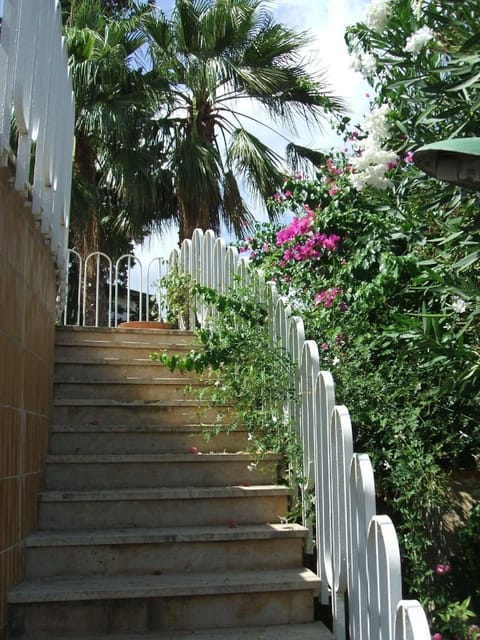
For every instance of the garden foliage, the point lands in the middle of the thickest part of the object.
(246, 376)
(383, 265)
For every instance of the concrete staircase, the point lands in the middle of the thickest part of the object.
(145, 530)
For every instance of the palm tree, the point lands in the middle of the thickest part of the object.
(117, 186)
(116, 194)
(221, 56)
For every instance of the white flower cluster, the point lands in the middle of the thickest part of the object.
(417, 7)
(377, 15)
(365, 63)
(458, 305)
(374, 161)
(417, 41)
(376, 123)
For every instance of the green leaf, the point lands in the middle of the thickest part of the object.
(467, 261)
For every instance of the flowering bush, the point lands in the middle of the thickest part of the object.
(383, 264)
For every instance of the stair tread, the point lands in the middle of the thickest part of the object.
(139, 428)
(168, 585)
(165, 534)
(131, 380)
(120, 458)
(167, 493)
(100, 336)
(133, 330)
(157, 344)
(82, 359)
(306, 631)
(105, 402)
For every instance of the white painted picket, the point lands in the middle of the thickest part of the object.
(358, 553)
(36, 100)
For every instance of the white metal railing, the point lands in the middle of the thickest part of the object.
(36, 102)
(101, 292)
(357, 550)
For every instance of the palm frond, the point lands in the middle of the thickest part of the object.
(302, 159)
(253, 159)
(236, 216)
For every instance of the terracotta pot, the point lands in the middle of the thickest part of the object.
(145, 324)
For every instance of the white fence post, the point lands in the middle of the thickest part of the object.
(36, 96)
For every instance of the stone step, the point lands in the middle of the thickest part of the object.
(129, 389)
(130, 439)
(104, 604)
(119, 369)
(163, 507)
(114, 351)
(117, 471)
(122, 335)
(137, 412)
(305, 631)
(160, 551)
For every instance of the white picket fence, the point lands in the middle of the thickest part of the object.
(36, 100)
(357, 550)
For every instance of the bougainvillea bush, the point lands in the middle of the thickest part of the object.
(383, 265)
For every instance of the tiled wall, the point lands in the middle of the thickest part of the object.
(27, 327)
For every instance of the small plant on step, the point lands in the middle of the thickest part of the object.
(180, 295)
(245, 370)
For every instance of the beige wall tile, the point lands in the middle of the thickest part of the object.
(27, 328)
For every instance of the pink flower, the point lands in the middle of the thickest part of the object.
(437, 636)
(443, 569)
(265, 247)
(408, 157)
(330, 166)
(288, 193)
(276, 196)
(343, 306)
(324, 346)
(333, 190)
(326, 298)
